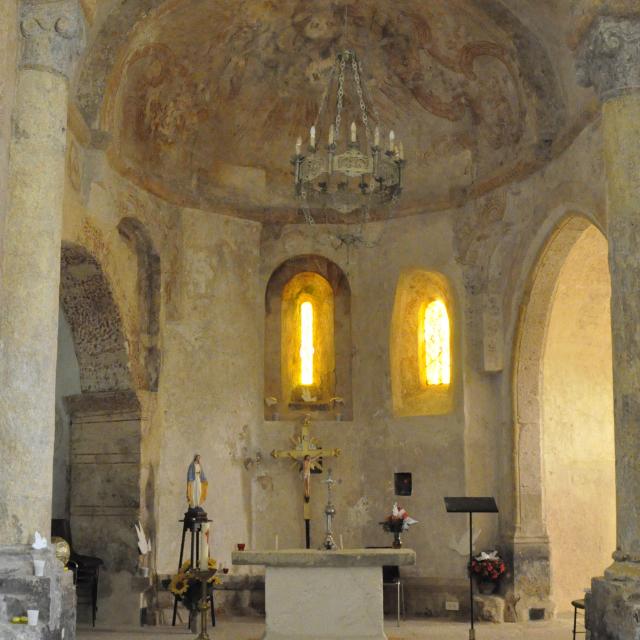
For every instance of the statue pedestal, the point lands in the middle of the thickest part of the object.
(324, 595)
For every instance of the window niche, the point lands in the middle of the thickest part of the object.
(422, 363)
(308, 341)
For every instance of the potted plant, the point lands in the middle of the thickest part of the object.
(487, 568)
(396, 523)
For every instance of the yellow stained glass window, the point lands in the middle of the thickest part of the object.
(307, 349)
(437, 343)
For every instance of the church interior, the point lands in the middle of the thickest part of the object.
(277, 277)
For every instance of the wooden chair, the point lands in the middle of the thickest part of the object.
(86, 569)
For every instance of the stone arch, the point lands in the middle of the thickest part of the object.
(137, 237)
(96, 324)
(103, 441)
(531, 547)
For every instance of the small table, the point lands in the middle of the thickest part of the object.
(324, 595)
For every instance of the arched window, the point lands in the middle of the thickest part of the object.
(307, 349)
(307, 345)
(307, 340)
(435, 344)
(422, 372)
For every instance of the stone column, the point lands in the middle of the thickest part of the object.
(50, 34)
(610, 62)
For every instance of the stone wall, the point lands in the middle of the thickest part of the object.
(67, 384)
(210, 399)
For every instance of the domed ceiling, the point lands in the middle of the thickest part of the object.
(208, 98)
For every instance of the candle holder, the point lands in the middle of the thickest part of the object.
(330, 511)
(203, 577)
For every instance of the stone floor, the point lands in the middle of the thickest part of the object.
(409, 630)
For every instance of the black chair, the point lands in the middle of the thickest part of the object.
(86, 569)
(577, 604)
(391, 578)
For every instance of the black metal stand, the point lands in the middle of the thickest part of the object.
(193, 521)
(471, 506)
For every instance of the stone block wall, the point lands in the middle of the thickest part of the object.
(105, 495)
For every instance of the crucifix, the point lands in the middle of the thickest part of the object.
(307, 454)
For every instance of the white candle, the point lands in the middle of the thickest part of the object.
(392, 138)
(341, 542)
(401, 151)
(312, 137)
(298, 145)
(332, 134)
(353, 132)
(203, 550)
(376, 137)
(277, 542)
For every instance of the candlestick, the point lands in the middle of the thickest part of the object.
(298, 145)
(332, 134)
(312, 137)
(353, 132)
(392, 137)
(376, 137)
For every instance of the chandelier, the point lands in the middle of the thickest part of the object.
(353, 172)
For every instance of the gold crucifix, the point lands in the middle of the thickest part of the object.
(307, 452)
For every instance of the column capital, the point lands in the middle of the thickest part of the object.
(52, 35)
(609, 56)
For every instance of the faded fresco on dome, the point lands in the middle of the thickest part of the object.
(207, 110)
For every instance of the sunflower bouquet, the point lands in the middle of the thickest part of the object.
(187, 588)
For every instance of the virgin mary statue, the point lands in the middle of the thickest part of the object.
(197, 484)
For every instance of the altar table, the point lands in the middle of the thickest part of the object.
(324, 595)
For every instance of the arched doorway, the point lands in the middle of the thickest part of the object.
(97, 457)
(564, 451)
(577, 421)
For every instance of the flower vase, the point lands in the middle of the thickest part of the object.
(487, 587)
(397, 540)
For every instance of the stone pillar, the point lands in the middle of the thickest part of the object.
(610, 62)
(50, 34)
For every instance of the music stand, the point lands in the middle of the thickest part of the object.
(471, 506)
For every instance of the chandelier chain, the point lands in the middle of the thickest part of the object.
(376, 115)
(325, 97)
(363, 106)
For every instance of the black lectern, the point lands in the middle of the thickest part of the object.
(471, 506)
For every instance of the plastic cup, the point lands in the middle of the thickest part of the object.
(32, 617)
(241, 546)
(38, 567)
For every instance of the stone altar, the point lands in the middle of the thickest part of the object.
(324, 595)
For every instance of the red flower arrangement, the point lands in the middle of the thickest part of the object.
(398, 521)
(487, 566)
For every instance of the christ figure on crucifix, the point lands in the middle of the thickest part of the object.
(308, 454)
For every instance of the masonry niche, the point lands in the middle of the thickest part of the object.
(421, 343)
(308, 341)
